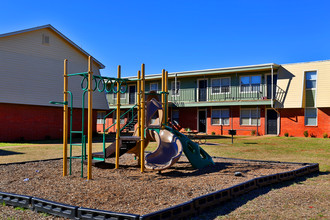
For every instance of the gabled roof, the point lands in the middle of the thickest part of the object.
(57, 32)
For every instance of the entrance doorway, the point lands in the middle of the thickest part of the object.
(132, 94)
(202, 120)
(202, 90)
(269, 86)
(271, 121)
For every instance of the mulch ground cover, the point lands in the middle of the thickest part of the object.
(126, 189)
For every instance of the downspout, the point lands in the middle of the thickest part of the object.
(175, 86)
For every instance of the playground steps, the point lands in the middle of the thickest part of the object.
(130, 127)
(126, 143)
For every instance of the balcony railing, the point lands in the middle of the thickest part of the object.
(231, 93)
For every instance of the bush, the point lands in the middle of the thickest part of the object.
(253, 132)
(306, 133)
(325, 135)
(213, 133)
(286, 134)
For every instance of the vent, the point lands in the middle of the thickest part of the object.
(45, 39)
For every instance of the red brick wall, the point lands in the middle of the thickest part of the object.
(28, 122)
(293, 123)
(234, 112)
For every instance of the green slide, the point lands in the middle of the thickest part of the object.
(198, 157)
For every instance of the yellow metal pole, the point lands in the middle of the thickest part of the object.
(138, 103)
(65, 119)
(142, 84)
(118, 119)
(163, 98)
(166, 98)
(90, 117)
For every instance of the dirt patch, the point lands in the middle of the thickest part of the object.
(126, 189)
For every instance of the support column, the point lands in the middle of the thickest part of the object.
(166, 98)
(90, 117)
(118, 118)
(163, 98)
(65, 118)
(142, 84)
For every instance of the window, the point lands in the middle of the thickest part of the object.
(220, 117)
(250, 116)
(310, 116)
(100, 116)
(122, 120)
(220, 85)
(154, 87)
(311, 80)
(175, 91)
(122, 95)
(250, 83)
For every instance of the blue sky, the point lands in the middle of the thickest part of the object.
(182, 35)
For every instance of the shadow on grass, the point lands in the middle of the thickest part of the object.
(235, 203)
(8, 152)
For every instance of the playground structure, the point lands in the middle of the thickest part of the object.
(171, 143)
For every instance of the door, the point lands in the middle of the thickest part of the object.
(202, 92)
(202, 121)
(132, 94)
(271, 121)
(269, 86)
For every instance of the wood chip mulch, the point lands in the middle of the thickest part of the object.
(127, 190)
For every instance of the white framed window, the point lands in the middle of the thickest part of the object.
(310, 79)
(100, 116)
(311, 116)
(122, 95)
(175, 91)
(220, 117)
(250, 83)
(250, 116)
(153, 87)
(220, 85)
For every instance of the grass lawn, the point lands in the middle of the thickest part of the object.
(304, 198)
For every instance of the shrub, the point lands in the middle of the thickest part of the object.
(253, 132)
(213, 133)
(306, 133)
(286, 134)
(325, 135)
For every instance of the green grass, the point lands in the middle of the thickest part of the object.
(2, 144)
(309, 150)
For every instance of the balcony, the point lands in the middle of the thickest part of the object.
(231, 95)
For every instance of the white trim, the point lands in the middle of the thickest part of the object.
(250, 117)
(220, 119)
(277, 121)
(240, 85)
(220, 78)
(207, 93)
(315, 104)
(198, 110)
(317, 114)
